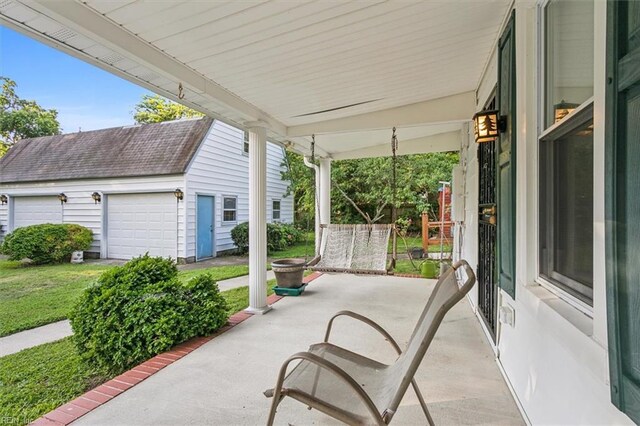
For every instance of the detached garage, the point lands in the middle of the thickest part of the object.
(173, 189)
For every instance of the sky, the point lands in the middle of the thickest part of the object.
(85, 96)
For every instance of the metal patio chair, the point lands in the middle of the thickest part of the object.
(358, 390)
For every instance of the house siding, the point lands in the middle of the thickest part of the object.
(80, 207)
(4, 220)
(220, 168)
(553, 355)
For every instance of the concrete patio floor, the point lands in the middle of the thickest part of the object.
(222, 381)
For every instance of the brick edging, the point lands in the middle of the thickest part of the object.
(73, 410)
(408, 275)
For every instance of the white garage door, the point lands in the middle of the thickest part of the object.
(34, 210)
(140, 223)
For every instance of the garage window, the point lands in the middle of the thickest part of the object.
(229, 209)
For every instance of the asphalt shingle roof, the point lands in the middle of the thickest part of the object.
(141, 150)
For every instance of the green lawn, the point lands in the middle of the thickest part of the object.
(218, 273)
(39, 379)
(296, 251)
(403, 266)
(416, 241)
(37, 295)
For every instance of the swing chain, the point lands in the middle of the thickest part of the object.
(313, 148)
(394, 189)
(394, 148)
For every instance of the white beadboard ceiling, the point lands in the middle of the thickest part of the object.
(292, 64)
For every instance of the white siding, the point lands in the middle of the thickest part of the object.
(4, 220)
(276, 187)
(81, 209)
(553, 355)
(221, 168)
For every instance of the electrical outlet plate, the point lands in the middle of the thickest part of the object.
(507, 315)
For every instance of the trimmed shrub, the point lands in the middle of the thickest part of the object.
(240, 236)
(279, 236)
(293, 233)
(276, 237)
(141, 309)
(46, 243)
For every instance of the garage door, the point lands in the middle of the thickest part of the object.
(140, 223)
(34, 210)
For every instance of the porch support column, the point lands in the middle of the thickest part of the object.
(325, 191)
(258, 219)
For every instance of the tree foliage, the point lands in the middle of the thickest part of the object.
(302, 185)
(156, 109)
(362, 188)
(21, 118)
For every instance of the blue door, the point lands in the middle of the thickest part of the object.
(204, 225)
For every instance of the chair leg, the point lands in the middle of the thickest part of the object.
(422, 403)
(274, 407)
(277, 395)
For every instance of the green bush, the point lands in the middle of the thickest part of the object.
(46, 243)
(276, 237)
(141, 309)
(240, 236)
(294, 234)
(279, 236)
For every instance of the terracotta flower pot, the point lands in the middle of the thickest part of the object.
(289, 272)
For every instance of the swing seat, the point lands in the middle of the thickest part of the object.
(355, 249)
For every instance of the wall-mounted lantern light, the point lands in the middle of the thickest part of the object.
(96, 197)
(62, 197)
(563, 109)
(179, 194)
(4, 199)
(487, 125)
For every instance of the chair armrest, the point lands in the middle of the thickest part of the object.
(365, 320)
(332, 368)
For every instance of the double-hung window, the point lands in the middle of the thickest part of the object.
(275, 210)
(566, 149)
(229, 209)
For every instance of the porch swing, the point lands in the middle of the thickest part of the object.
(358, 248)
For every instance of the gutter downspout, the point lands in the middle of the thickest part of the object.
(309, 164)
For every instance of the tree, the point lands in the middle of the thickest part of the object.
(302, 186)
(362, 189)
(156, 109)
(21, 118)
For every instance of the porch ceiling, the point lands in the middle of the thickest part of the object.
(301, 66)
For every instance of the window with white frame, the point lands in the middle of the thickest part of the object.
(275, 209)
(568, 58)
(566, 149)
(229, 209)
(245, 143)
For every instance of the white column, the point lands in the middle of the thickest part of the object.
(258, 220)
(325, 191)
